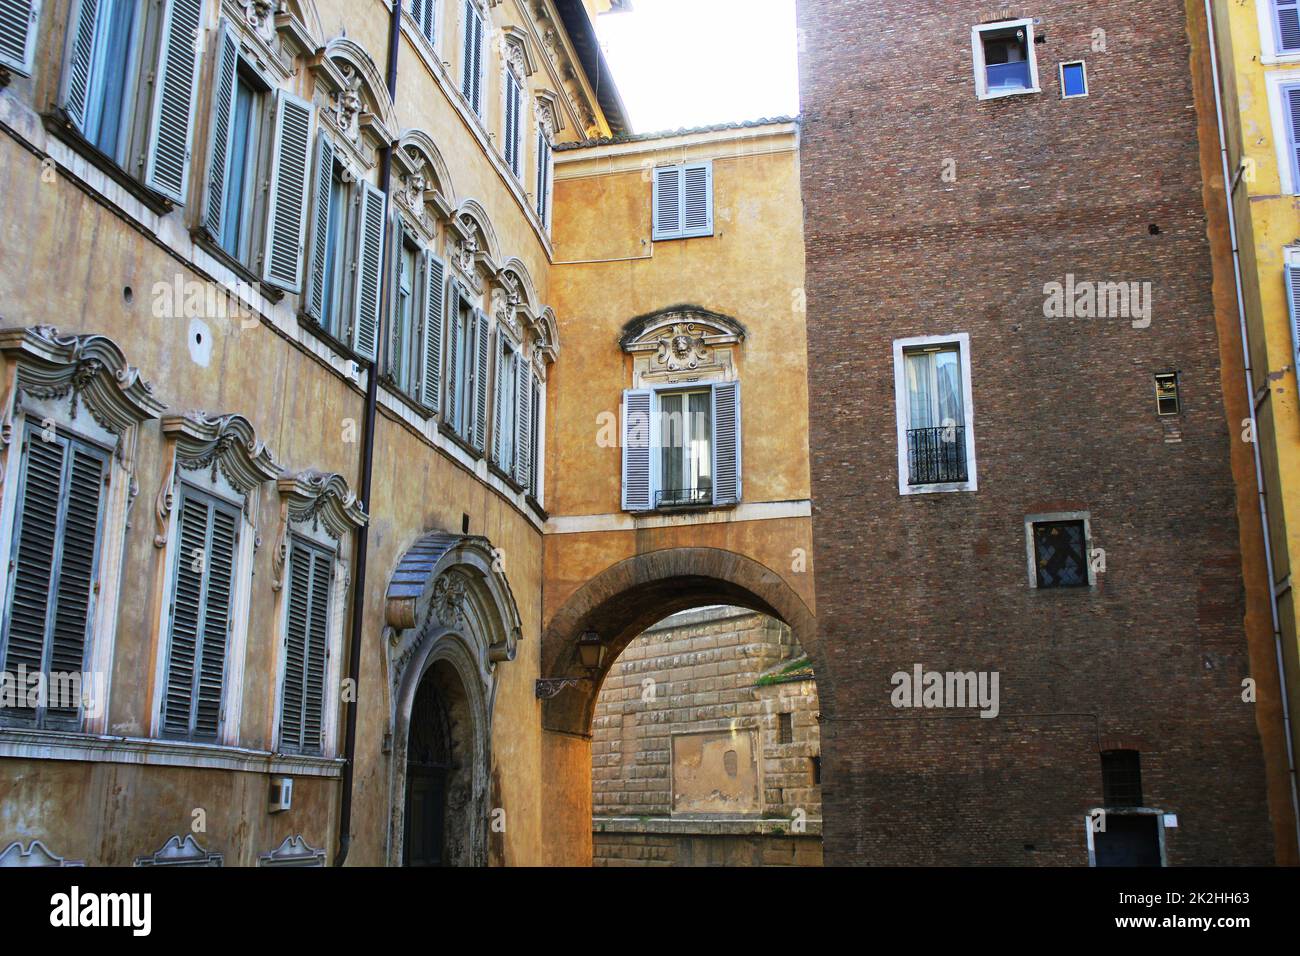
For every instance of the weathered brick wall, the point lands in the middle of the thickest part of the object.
(627, 844)
(697, 675)
(1107, 189)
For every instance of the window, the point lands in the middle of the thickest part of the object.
(348, 221)
(1121, 778)
(472, 58)
(201, 616)
(505, 432)
(512, 135)
(1005, 62)
(406, 358)
(683, 201)
(534, 435)
(306, 642)
(54, 558)
(1167, 393)
(544, 174)
(785, 728)
(1283, 27)
(126, 100)
(425, 15)
(467, 352)
(935, 434)
(1059, 551)
(18, 22)
(1074, 80)
(681, 447)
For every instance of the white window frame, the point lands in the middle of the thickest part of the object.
(1060, 78)
(962, 341)
(1277, 110)
(981, 74)
(1160, 816)
(1047, 518)
(1268, 38)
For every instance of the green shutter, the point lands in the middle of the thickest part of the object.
(167, 162)
(435, 285)
(370, 264)
(225, 76)
(287, 202)
(323, 182)
(83, 21)
(306, 654)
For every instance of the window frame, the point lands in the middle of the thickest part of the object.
(513, 137)
(961, 340)
(1279, 83)
(1270, 40)
(1087, 89)
(657, 446)
(404, 371)
(136, 116)
(1031, 552)
(257, 163)
(477, 107)
(981, 68)
(301, 535)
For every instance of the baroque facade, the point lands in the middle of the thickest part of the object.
(307, 518)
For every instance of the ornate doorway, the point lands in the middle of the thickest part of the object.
(428, 761)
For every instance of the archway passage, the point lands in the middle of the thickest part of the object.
(627, 598)
(439, 773)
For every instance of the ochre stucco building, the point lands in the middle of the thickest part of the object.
(300, 471)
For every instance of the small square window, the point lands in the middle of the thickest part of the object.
(1060, 554)
(786, 722)
(1167, 394)
(1074, 80)
(1121, 778)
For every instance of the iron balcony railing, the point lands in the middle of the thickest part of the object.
(680, 497)
(936, 455)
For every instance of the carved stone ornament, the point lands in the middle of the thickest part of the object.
(348, 105)
(35, 854)
(319, 499)
(225, 444)
(449, 600)
(505, 306)
(90, 371)
(682, 347)
(181, 852)
(259, 14)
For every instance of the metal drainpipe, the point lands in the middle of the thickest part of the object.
(367, 468)
(1229, 187)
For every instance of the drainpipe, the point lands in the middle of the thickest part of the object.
(1229, 188)
(367, 468)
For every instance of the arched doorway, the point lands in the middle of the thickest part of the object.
(451, 622)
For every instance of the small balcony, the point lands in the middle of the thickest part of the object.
(936, 455)
(683, 497)
(1006, 77)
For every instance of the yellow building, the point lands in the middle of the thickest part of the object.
(316, 333)
(1257, 43)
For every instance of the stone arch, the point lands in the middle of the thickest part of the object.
(628, 597)
(421, 150)
(474, 220)
(527, 288)
(448, 607)
(345, 52)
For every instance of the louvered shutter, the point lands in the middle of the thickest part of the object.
(306, 650)
(53, 565)
(637, 495)
(422, 11)
(543, 179)
(435, 285)
(512, 122)
(697, 200)
(1287, 14)
(535, 434)
(472, 75)
(83, 21)
(500, 441)
(726, 443)
(225, 74)
(370, 267)
(287, 196)
(523, 421)
(397, 338)
(323, 181)
(1293, 302)
(1292, 94)
(453, 357)
(668, 202)
(201, 615)
(18, 21)
(480, 379)
(167, 162)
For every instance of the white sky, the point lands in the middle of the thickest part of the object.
(697, 62)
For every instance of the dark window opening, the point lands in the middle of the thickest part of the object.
(817, 771)
(786, 725)
(1167, 393)
(1006, 59)
(1060, 554)
(1121, 778)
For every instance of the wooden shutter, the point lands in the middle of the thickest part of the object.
(697, 200)
(201, 617)
(370, 267)
(726, 443)
(82, 24)
(322, 186)
(435, 288)
(535, 433)
(422, 11)
(287, 202)
(225, 76)
(1287, 13)
(167, 162)
(480, 379)
(472, 76)
(1293, 302)
(453, 357)
(18, 22)
(397, 345)
(513, 124)
(668, 202)
(500, 445)
(523, 421)
(637, 494)
(1292, 94)
(53, 564)
(306, 649)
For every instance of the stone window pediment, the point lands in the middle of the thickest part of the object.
(682, 343)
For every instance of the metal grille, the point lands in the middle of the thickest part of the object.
(936, 455)
(1121, 778)
(1060, 554)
